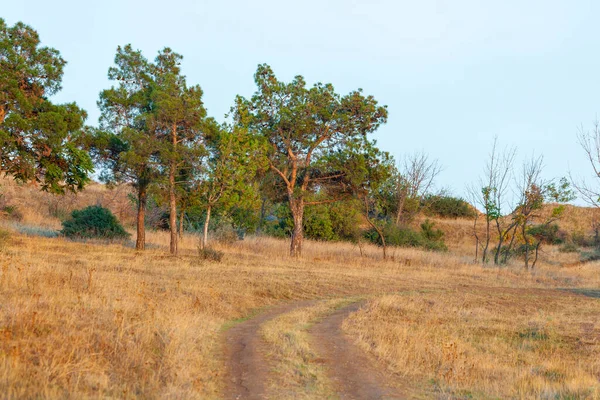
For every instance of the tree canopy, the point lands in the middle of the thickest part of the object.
(304, 128)
(39, 141)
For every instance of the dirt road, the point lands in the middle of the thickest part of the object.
(354, 374)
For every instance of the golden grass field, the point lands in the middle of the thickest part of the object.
(96, 320)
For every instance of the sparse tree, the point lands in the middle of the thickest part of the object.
(490, 194)
(415, 181)
(590, 143)
(367, 171)
(536, 192)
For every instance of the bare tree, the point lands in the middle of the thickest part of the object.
(590, 143)
(489, 194)
(531, 191)
(415, 181)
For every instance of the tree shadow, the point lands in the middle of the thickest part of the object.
(586, 292)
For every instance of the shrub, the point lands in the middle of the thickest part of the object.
(568, 248)
(448, 207)
(225, 233)
(317, 223)
(93, 222)
(547, 233)
(403, 236)
(588, 256)
(209, 254)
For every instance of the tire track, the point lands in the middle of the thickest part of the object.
(246, 355)
(355, 374)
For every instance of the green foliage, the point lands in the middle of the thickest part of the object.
(280, 223)
(402, 236)
(559, 192)
(306, 131)
(492, 209)
(93, 222)
(447, 207)
(317, 223)
(547, 233)
(431, 234)
(327, 222)
(40, 141)
(345, 220)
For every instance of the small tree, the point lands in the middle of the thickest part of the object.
(39, 141)
(234, 159)
(367, 171)
(304, 127)
(414, 182)
(490, 195)
(534, 194)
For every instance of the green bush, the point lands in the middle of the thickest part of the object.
(403, 236)
(550, 234)
(448, 207)
(93, 222)
(317, 223)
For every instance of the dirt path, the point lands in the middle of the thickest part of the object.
(246, 355)
(353, 372)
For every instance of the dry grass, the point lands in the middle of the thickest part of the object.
(297, 374)
(36, 208)
(487, 342)
(85, 320)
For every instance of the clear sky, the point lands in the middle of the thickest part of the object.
(454, 74)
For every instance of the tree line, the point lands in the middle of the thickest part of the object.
(290, 146)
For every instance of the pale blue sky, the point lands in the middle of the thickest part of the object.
(453, 73)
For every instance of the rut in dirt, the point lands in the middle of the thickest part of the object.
(248, 367)
(354, 374)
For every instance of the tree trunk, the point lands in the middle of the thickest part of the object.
(476, 238)
(263, 210)
(140, 240)
(181, 217)
(377, 229)
(487, 239)
(297, 207)
(510, 244)
(501, 236)
(172, 211)
(526, 240)
(537, 252)
(172, 197)
(205, 231)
